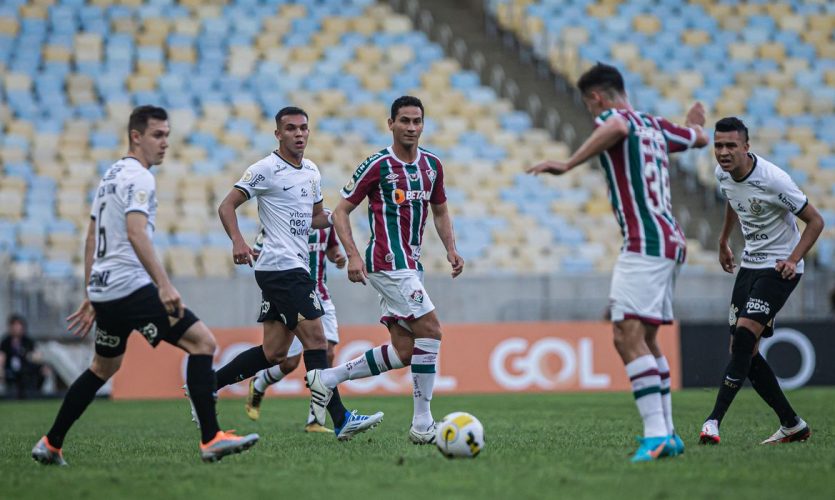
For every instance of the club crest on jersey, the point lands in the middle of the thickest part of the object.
(265, 306)
(755, 206)
(389, 257)
(431, 174)
(417, 296)
(149, 331)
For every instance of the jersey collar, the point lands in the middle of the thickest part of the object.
(275, 152)
(417, 158)
(753, 167)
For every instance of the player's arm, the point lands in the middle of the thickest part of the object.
(813, 229)
(82, 319)
(726, 255)
(342, 224)
(443, 225)
(136, 223)
(333, 253)
(604, 137)
(321, 217)
(241, 252)
(696, 120)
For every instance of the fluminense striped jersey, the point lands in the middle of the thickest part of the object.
(399, 195)
(638, 177)
(320, 241)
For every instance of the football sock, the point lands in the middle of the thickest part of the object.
(765, 383)
(666, 397)
(318, 359)
(424, 361)
(268, 377)
(245, 365)
(200, 379)
(79, 396)
(736, 372)
(374, 362)
(646, 387)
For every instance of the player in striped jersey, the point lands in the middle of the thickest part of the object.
(634, 149)
(401, 183)
(323, 247)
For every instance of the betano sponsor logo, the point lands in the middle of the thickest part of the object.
(401, 196)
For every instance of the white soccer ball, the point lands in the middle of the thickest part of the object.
(460, 435)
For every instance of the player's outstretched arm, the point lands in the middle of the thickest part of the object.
(605, 136)
(443, 225)
(696, 120)
(813, 229)
(241, 252)
(342, 224)
(82, 319)
(137, 235)
(726, 255)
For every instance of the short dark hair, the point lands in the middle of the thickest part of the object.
(730, 124)
(288, 111)
(405, 101)
(601, 76)
(141, 115)
(16, 318)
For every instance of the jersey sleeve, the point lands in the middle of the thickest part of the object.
(678, 138)
(332, 241)
(787, 192)
(438, 195)
(365, 178)
(317, 189)
(94, 207)
(140, 193)
(608, 114)
(254, 181)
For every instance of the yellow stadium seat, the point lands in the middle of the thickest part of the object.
(647, 24)
(791, 22)
(826, 50)
(626, 52)
(191, 26)
(396, 23)
(773, 50)
(822, 22)
(601, 10)
(575, 35)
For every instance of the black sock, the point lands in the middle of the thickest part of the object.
(318, 359)
(200, 379)
(765, 383)
(736, 372)
(79, 396)
(245, 365)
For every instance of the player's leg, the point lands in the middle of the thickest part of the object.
(263, 379)
(424, 360)
(277, 339)
(79, 396)
(374, 361)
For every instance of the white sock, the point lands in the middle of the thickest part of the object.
(666, 397)
(268, 377)
(646, 387)
(424, 361)
(374, 362)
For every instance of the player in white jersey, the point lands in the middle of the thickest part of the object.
(765, 201)
(322, 244)
(289, 193)
(128, 290)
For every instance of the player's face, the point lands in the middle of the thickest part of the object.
(292, 134)
(407, 126)
(730, 149)
(153, 142)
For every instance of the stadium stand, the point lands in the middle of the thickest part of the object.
(770, 63)
(71, 70)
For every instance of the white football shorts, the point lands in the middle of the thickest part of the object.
(402, 296)
(642, 288)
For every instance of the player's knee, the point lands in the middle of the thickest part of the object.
(104, 368)
(290, 364)
(205, 344)
(427, 328)
(755, 327)
(275, 357)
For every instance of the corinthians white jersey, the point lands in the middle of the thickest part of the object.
(767, 201)
(126, 187)
(286, 195)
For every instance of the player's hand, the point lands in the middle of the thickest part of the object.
(726, 258)
(695, 115)
(787, 269)
(170, 298)
(356, 270)
(82, 319)
(548, 167)
(456, 261)
(339, 260)
(243, 254)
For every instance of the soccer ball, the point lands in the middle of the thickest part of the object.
(459, 435)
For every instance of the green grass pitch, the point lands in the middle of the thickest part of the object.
(537, 446)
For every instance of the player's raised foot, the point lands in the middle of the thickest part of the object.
(649, 448)
(710, 432)
(798, 433)
(320, 395)
(425, 436)
(191, 405)
(316, 427)
(226, 443)
(356, 423)
(47, 454)
(253, 401)
(674, 447)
